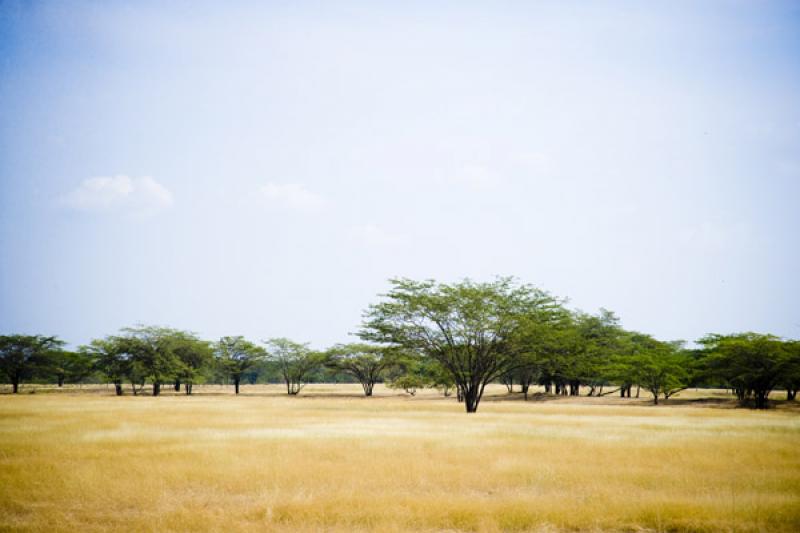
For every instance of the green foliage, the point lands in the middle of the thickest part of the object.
(21, 356)
(235, 356)
(752, 364)
(364, 362)
(661, 368)
(294, 361)
(68, 367)
(467, 327)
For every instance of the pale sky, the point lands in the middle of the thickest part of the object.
(263, 168)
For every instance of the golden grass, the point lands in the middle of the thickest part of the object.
(333, 461)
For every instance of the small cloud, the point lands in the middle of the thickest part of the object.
(119, 193)
(292, 196)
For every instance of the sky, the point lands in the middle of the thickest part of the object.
(262, 169)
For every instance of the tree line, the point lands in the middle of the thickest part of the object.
(456, 337)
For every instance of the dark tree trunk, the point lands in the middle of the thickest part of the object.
(187, 387)
(471, 400)
(525, 386)
(459, 394)
(15, 385)
(156, 388)
(548, 387)
(177, 385)
(791, 394)
(236, 385)
(60, 378)
(118, 388)
(655, 399)
(762, 401)
(368, 388)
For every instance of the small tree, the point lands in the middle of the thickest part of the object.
(236, 356)
(109, 359)
(193, 357)
(663, 369)
(364, 362)
(295, 362)
(149, 349)
(23, 355)
(68, 366)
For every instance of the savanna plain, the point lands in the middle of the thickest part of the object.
(331, 460)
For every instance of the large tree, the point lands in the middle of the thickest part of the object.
(752, 364)
(467, 327)
(21, 356)
(236, 356)
(295, 362)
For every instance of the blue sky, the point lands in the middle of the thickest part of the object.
(263, 168)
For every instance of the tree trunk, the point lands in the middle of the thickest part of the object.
(177, 385)
(762, 401)
(471, 400)
(236, 384)
(655, 399)
(187, 387)
(156, 388)
(637, 391)
(791, 394)
(60, 380)
(548, 387)
(525, 387)
(15, 385)
(118, 388)
(367, 388)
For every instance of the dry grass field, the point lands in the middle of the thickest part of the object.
(330, 460)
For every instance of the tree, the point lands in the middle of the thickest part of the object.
(109, 358)
(364, 362)
(662, 368)
(193, 357)
(295, 362)
(236, 356)
(466, 327)
(68, 366)
(752, 364)
(150, 352)
(543, 342)
(22, 355)
(791, 375)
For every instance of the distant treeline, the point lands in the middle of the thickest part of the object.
(455, 337)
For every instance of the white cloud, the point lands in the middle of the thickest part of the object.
(141, 195)
(292, 196)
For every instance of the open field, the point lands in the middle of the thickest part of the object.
(335, 461)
